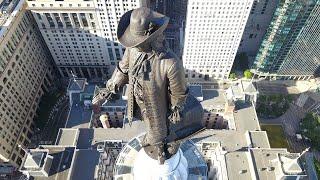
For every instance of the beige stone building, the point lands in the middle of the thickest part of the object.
(26, 73)
(81, 34)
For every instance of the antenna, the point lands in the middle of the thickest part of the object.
(303, 152)
(74, 78)
(73, 75)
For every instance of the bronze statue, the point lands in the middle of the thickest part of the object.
(155, 76)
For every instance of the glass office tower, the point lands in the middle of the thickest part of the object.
(290, 49)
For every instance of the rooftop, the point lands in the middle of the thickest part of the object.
(232, 140)
(245, 149)
(84, 164)
(79, 92)
(196, 91)
(57, 168)
(259, 139)
(266, 162)
(35, 160)
(67, 137)
(238, 165)
(77, 84)
(213, 99)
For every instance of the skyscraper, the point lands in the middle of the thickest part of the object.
(290, 49)
(213, 33)
(176, 10)
(258, 22)
(26, 73)
(81, 35)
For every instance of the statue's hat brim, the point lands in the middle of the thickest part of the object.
(130, 39)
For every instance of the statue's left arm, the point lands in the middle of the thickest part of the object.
(178, 89)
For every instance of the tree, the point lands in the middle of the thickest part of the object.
(311, 129)
(317, 166)
(241, 62)
(232, 76)
(247, 74)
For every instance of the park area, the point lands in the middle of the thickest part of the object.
(317, 166)
(273, 106)
(276, 136)
(310, 127)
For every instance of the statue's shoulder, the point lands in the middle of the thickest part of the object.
(170, 57)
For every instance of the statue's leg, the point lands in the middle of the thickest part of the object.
(156, 131)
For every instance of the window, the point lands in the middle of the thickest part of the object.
(110, 54)
(39, 16)
(67, 20)
(50, 20)
(84, 19)
(58, 20)
(75, 19)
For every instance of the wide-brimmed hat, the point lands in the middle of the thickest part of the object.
(139, 26)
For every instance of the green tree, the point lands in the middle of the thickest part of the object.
(248, 74)
(311, 128)
(317, 166)
(232, 75)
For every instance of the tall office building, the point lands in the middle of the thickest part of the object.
(258, 22)
(213, 34)
(290, 49)
(81, 34)
(176, 10)
(26, 73)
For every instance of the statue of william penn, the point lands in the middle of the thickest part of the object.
(158, 93)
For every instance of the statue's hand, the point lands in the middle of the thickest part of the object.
(175, 116)
(104, 95)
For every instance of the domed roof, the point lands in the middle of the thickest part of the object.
(133, 163)
(175, 168)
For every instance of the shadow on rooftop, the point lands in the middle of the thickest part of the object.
(198, 139)
(85, 138)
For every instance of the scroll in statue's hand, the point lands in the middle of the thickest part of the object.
(103, 96)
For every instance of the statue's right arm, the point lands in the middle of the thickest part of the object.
(120, 75)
